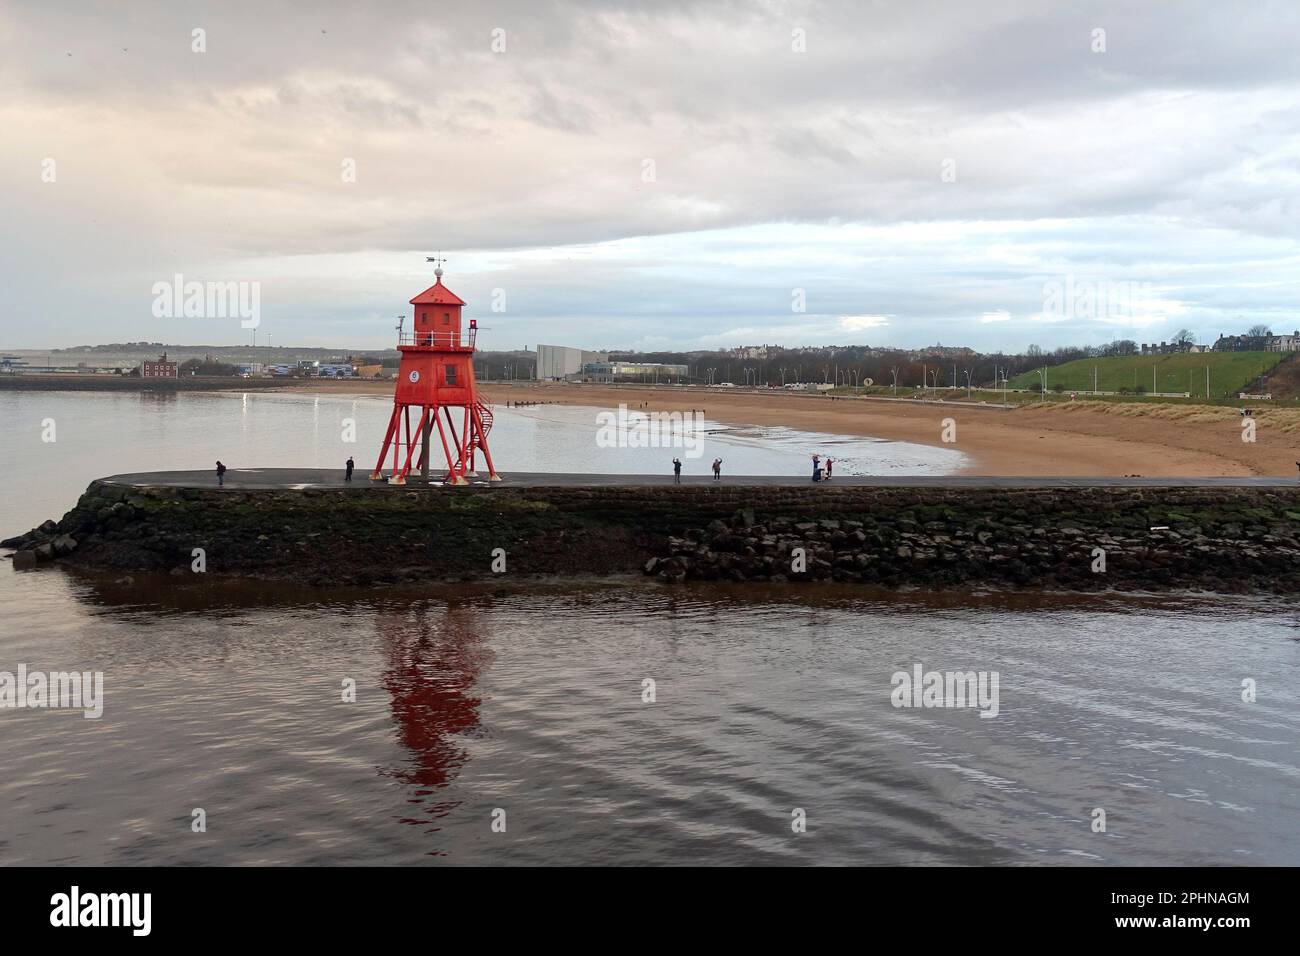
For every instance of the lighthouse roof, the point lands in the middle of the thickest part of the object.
(437, 294)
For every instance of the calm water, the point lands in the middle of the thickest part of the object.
(111, 433)
(528, 700)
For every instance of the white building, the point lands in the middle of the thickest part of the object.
(561, 361)
(1285, 343)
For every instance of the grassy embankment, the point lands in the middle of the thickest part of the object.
(1129, 379)
(1229, 373)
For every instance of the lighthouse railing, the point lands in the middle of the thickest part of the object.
(441, 340)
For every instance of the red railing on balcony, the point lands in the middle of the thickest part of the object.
(441, 340)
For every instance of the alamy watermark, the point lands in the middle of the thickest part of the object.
(128, 910)
(922, 688)
(634, 429)
(208, 300)
(1087, 299)
(72, 690)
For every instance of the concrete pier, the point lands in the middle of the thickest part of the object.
(310, 526)
(319, 478)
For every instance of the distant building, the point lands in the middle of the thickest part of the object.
(1268, 343)
(1170, 348)
(160, 369)
(335, 371)
(750, 352)
(946, 351)
(1285, 343)
(11, 365)
(557, 362)
(632, 371)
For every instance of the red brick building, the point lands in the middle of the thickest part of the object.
(160, 369)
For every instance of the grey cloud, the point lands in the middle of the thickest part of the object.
(232, 156)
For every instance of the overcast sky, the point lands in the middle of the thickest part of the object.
(655, 175)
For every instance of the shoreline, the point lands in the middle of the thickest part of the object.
(1053, 439)
(1078, 438)
(129, 383)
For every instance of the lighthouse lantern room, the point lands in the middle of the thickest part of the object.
(436, 390)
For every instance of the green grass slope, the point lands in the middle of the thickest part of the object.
(1229, 373)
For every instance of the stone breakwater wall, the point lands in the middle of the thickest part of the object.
(1222, 539)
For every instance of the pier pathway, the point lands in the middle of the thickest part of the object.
(303, 478)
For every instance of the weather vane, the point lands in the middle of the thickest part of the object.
(438, 260)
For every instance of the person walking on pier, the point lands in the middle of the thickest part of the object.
(350, 465)
(717, 469)
(221, 474)
(677, 471)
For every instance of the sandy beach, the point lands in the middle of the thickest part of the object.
(1079, 438)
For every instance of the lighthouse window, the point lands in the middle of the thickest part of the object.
(446, 318)
(450, 377)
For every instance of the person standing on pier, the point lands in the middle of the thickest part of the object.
(350, 465)
(677, 471)
(829, 465)
(221, 474)
(817, 467)
(717, 469)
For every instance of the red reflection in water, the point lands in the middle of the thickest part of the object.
(436, 653)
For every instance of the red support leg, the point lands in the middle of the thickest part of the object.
(410, 446)
(451, 468)
(467, 459)
(378, 473)
(471, 442)
(397, 436)
(458, 468)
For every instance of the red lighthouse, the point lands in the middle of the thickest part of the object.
(436, 380)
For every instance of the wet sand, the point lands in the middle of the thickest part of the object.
(1079, 438)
